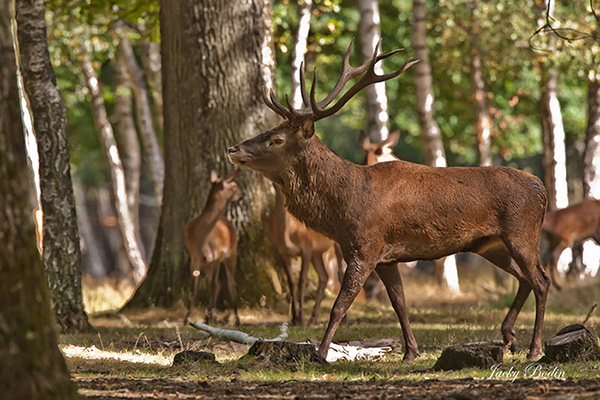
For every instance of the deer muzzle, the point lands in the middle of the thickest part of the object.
(237, 156)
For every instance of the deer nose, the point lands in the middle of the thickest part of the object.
(232, 150)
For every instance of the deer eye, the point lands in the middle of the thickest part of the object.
(276, 141)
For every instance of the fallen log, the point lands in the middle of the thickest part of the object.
(238, 336)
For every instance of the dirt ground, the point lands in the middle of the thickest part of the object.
(130, 356)
(459, 389)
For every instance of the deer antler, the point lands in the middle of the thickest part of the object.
(319, 110)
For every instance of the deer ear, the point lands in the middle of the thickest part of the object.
(213, 176)
(364, 140)
(231, 176)
(307, 129)
(392, 139)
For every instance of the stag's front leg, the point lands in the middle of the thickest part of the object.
(354, 279)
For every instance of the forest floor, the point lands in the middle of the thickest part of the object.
(130, 355)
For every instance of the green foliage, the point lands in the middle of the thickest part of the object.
(512, 59)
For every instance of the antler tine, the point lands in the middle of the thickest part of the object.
(313, 102)
(296, 113)
(348, 72)
(281, 109)
(367, 79)
(263, 93)
(305, 99)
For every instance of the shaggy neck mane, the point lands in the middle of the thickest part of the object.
(317, 185)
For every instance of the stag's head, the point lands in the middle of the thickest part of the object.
(225, 187)
(269, 152)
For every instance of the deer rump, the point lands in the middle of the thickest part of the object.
(425, 213)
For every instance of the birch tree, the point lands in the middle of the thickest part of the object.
(115, 166)
(300, 47)
(62, 251)
(370, 35)
(431, 137)
(32, 366)
(143, 113)
(553, 132)
(483, 124)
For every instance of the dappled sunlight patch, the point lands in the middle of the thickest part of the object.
(136, 356)
(100, 295)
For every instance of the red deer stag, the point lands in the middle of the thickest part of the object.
(425, 212)
(382, 152)
(291, 239)
(565, 227)
(210, 240)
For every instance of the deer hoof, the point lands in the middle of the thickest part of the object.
(409, 357)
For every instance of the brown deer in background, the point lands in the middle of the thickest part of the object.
(210, 240)
(565, 227)
(291, 239)
(424, 212)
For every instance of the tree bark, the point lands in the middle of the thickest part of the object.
(62, 252)
(553, 137)
(150, 54)
(591, 164)
(144, 117)
(483, 124)
(215, 58)
(129, 146)
(553, 132)
(115, 166)
(431, 136)
(90, 248)
(300, 46)
(32, 366)
(370, 34)
(591, 156)
(430, 131)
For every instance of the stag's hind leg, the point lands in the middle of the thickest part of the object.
(390, 275)
(501, 257)
(526, 255)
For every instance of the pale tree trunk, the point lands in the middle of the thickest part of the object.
(483, 124)
(433, 147)
(430, 131)
(370, 34)
(129, 147)
(591, 166)
(144, 118)
(90, 248)
(150, 54)
(115, 167)
(62, 252)
(553, 132)
(212, 98)
(300, 46)
(553, 137)
(32, 366)
(591, 156)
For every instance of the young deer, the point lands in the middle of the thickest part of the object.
(424, 213)
(565, 227)
(291, 239)
(210, 240)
